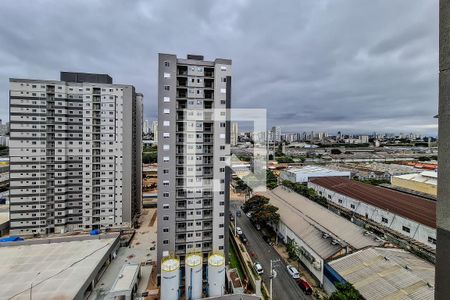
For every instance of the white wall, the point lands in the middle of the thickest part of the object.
(286, 232)
(418, 232)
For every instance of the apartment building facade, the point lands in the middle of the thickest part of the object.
(194, 96)
(75, 154)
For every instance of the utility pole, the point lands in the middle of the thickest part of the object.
(273, 274)
(235, 220)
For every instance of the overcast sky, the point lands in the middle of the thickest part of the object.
(351, 65)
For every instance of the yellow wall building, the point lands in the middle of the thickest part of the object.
(425, 182)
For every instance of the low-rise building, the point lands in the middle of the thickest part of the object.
(425, 182)
(320, 234)
(383, 273)
(408, 215)
(305, 174)
(54, 268)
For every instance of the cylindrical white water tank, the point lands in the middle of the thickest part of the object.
(194, 276)
(216, 274)
(170, 278)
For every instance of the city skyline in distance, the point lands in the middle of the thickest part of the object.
(304, 67)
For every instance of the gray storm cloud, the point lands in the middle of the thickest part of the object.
(315, 65)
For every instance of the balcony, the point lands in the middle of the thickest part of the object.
(181, 93)
(209, 72)
(181, 82)
(182, 71)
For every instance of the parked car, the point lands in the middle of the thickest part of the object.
(257, 226)
(305, 286)
(258, 268)
(293, 272)
(238, 213)
(249, 214)
(238, 230)
(268, 240)
(243, 238)
(231, 217)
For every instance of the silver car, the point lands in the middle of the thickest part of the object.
(293, 272)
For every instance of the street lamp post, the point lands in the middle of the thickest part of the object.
(273, 274)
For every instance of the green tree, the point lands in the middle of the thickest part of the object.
(424, 158)
(284, 159)
(336, 151)
(271, 180)
(254, 203)
(262, 211)
(346, 291)
(266, 214)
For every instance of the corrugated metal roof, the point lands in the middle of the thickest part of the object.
(429, 177)
(412, 207)
(315, 170)
(309, 220)
(381, 273)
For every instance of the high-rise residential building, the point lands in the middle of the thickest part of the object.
(193, 154)
(75, 154)
(145, 129)
(276, 134)
(234, 133)
(443, 203)
(155, 131)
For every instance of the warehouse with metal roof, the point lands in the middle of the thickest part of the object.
(303, 175)
(384, 273)
(408, 215)
(319, 233)
(425, 182)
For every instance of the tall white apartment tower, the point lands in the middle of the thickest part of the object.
(155, 131)
(146, 129)
(75, 154)
(194, 96)
(234, 133)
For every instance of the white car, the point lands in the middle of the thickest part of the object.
(238, 230)
(293, 272)
(249, 214)
(258, 268)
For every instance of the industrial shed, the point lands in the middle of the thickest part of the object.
(384, 273)
(408, 215)
(321, 234)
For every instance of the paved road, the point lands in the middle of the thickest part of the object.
(284, 287)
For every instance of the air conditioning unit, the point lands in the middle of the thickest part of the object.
(317, 265)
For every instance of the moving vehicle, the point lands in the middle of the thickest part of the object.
(238, 230)
(238, 213)
(293, 272)
(258, 268)
(305, 286)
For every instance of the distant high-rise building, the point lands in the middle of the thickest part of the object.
(146, 129)
(364, 139)
(193, 150)
(155, 131)
(234, 133)
(276, 134)
(75, 154)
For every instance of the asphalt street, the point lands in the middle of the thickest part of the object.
(284, 286)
